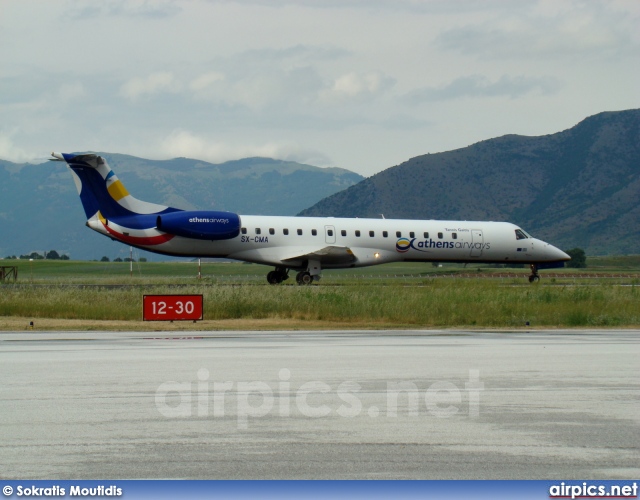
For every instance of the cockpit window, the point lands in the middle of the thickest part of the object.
(521, 235)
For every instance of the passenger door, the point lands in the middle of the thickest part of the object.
(477, 242)
(330, 234)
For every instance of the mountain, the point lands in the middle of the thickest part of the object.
(576, 188)
(40, 208)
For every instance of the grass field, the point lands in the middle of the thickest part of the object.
(86, 295)
(89, 272)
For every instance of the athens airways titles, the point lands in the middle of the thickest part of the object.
(216, 221)
(405, 244)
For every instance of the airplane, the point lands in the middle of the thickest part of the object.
(306, 245)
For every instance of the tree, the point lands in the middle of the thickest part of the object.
(104, 259)
(117, 259)
(578, 257)
(142, 259)
(64, 257)
(52, 255)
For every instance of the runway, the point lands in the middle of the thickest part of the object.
(318, 405)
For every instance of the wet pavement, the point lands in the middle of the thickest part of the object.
(346, 405)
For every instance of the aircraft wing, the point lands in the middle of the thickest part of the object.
(331, 254)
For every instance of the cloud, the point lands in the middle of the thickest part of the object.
(412, 6)
(300, 53)
(549, 29)
(155, 83)
(9, 151)
(358, 85)
(207, 80)
(252, 80)
(183, 143)
(69, 92)
(268, 79)
(480, 86)
(139, 9)
(258, 88)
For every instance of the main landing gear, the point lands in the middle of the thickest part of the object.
(278, 275)
(311, 274)
(534, 276)
(304, 278)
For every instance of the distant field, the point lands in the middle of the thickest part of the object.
(92, 295)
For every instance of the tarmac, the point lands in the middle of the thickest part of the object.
(555, 404)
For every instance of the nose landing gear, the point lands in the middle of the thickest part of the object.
(534, 276)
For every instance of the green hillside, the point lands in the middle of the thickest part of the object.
(576, 188)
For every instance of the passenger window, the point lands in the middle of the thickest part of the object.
(372, 234)
(412, 234)
(272, 231)
(426, 234)
(285, 232)
(398, 234)
(257, 230)
(243, 230)
(330, 232)
(385, 234)
(314, 232)
(440, 235)
(358, 234)
(299, 232)
(454, 236)
(343, 232)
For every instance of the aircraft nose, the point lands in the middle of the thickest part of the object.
(556, 254)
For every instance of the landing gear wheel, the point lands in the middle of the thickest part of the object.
(304, 278)
(274, 278)
(278, 275)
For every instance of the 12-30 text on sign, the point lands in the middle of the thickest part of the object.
(172, 307)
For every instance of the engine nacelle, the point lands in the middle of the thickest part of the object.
(202, 225)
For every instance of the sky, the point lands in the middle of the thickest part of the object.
(358, 84)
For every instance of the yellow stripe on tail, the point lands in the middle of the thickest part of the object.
(117, 190)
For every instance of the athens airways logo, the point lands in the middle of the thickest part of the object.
(404, 245)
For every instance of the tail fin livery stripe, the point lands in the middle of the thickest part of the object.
(139, 207)
(117, 190)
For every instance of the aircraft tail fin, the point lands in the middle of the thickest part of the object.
(101, 191)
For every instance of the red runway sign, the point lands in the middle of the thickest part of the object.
(172, 307)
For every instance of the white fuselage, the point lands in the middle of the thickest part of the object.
(293, 241)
